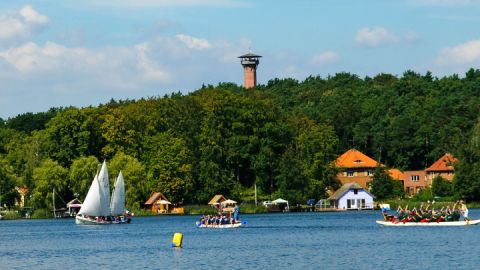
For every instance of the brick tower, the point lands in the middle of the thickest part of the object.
(250, 62)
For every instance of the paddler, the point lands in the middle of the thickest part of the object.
(464, 210)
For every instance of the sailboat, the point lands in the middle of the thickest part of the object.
(97, 209)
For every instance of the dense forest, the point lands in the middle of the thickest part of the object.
(281, 137)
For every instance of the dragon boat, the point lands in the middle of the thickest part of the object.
(433, 223)
(221, 226)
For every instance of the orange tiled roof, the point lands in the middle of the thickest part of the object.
(355, 159)
(396, 174)
(445, 163)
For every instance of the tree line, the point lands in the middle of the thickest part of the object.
(281, 137)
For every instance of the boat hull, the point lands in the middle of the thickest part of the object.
(79, 220)
(428, 224)
(223, 226)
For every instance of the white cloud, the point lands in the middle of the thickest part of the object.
(194, 43)
(148, 67)
(32, 16)
(22, 23)
(54, 61)
(374, 37)
(460, 56)
(160, 61)
(54, 74)
(325, 58)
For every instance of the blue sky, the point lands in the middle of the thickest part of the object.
(81, 53)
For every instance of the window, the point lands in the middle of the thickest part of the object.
(350, 173)
(414, 178)
(370, 172)
(355, 191)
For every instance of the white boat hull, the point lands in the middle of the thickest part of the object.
(433, 224)
(223, 226)
(79, 220)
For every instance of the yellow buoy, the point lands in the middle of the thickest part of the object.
(177, 240)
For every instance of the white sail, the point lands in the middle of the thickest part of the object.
(117, 206)
(92, 203)
(105, 189)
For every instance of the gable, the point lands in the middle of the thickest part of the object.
(355, 159)
(155, 197)
(445, 163)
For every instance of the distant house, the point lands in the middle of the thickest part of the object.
(351, 196)
(414, 181)
(22, 191)
(443, 167)
(356, 168)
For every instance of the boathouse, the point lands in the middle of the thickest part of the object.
(351, 196)
(217, 201)
(158, 203)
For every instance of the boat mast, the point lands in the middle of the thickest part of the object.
(53, 199)
(255, 192)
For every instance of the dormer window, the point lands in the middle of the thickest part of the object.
(358, 161)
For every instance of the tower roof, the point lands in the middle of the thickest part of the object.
(250, 55)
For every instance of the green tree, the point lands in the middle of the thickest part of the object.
(169, 166)
(306, 169)
(48, 176)
(382, 184)
(8, 181)
(441, 187)
(466, 181)
(81, 173)
(135, 179)
(25, 153)
(67, 136)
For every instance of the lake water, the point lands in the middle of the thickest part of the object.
(348, 240)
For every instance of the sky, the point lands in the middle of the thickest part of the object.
(81, 53)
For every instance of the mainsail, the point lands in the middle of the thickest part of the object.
(92, 204)
(104, 183)
(117, 206)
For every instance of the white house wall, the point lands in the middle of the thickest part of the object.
(342, 202)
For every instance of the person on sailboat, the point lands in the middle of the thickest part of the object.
(235, 213)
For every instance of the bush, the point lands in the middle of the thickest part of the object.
(252, 209)
(11, 215)
(199, 210)
(41, 214)
(424, 195)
